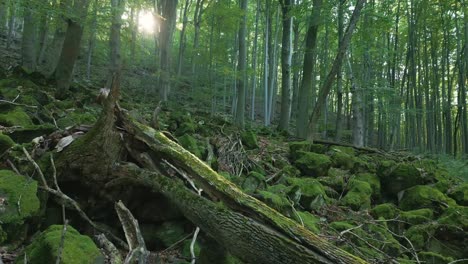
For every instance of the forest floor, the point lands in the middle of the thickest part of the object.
(382, 207)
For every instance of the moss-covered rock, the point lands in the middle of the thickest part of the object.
(401, 177)
(296, 147)
(386, 211)
(277, 201)
(15, 117)
(373, 181)
(348, 150)
(312, 164)
(312, 192)
(253, 182)
(309, 220)
(249, 139)
(455, 216)
(5, 143)
(358, 196)
(342, 160)
(76, 117)
(434, 258)
(460, 194)
(318, 148)
(77, 248)
(424, 196)
(416, 217)
(190, 144)
(18, 203)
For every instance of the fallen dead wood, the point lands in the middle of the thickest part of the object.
(246, 227)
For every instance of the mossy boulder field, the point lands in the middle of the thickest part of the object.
(233, 132)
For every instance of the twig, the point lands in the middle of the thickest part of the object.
(136, 243)
(195, 235)
(458, 260)
(177, 243)
(17, 104)
(13, 166)
(110, 249)
(62, 242)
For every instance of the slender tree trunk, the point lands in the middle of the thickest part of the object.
(339, 76)
(254, 62)
(43, 31)
(273, 86)
(308, 81)
(325, 89)
(182, 37)
(3, 16)
(296, 61)
(92, 40)
(28, 45)
(286, 60)
(71, 49)
(266, 66)
(11, 23)
(241, 67)
(52, 53)
(357, 109)
(197, 19)
(115, 60)
(168, 12)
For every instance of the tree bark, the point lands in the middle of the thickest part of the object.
(308, 71)
(325, 89)
(71, 49)
(241, 67)
(28, 44)
(286, 60)
(3, 16)
(182, 38)
(168, 12)
(118, 7)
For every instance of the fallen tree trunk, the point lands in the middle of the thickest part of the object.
(119, 149)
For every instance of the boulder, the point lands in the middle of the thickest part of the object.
(76, 249)
(358, 196)
(249, 139)
(424, 196)
(312, 164)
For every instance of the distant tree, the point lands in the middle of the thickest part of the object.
(71, 48)
(241, 67)
(286, 60)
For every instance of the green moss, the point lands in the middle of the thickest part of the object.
(253, 181)
(386, 210)
(456, 216)
(276, 201)
(249, 139)
(358, 196)
(15, 117)
(312, 192)
(313, 164)
(424, 196)
(460, 194)
(373, 181)
(295, 147)
(348, 150)
(76, 118)
(5, 143)
(76, 248)
(318, 148)
(19, 194)
(419, 235)
(403, 176)
(434, 258)
(341, 225)
(343, 160)
(419, 216)
(186, 249)
(309, 220)
(190, 144)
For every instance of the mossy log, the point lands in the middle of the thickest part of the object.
(246, 227)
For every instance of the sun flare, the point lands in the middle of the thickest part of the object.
(146, 22)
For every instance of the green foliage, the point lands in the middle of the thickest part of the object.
(76, 248)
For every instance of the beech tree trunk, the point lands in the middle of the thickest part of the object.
(28, 44)
(70, 49)
(241, 68)
(286, 60)
(326, 87)
(243, 225)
